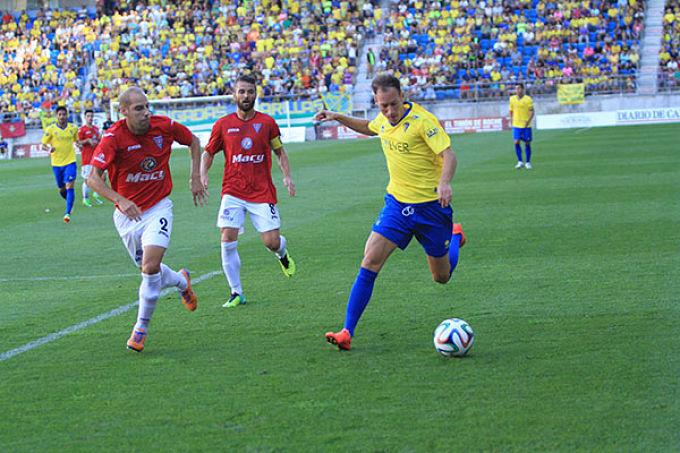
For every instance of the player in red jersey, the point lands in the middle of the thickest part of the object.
(136, 151)
(248, 138)
(88, 138)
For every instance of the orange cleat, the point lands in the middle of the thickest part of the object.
(457, 229)
(188, 296)
(136, 341)
(341, 339)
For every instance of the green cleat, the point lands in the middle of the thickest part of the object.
(287, 265)
(98, 198)
(87, 203)
(234, 301)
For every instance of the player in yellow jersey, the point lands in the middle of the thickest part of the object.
(521, 114)
(421, 165)
(58, 139)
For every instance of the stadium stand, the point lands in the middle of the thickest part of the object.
(495, 43)
(44, 56)
(179, 49)
(293, 48)
(458, 50)
(669, 56)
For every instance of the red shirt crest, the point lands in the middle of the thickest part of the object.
(138, 165)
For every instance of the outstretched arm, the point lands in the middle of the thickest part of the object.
(357, 124)
(284, 165)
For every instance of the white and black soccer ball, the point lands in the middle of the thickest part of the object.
(453, 337)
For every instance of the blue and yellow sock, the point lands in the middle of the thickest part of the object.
(518, 151)
(70, 198)
(527, 150)
(359, 297)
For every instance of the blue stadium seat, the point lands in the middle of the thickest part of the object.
(485, 44)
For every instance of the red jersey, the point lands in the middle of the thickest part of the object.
(86, 151)
(138, 165)
(247, 147)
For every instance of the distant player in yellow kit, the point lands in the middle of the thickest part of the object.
(59, 139)
(521, 114)
(421, 164)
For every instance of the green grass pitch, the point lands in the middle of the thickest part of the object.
(569, 279)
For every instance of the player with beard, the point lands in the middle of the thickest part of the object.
(136, 153)
(247, 138)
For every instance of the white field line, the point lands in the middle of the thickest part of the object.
(115, 312)
(75, 277)
(585, 129)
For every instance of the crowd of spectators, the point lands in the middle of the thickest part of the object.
(438, 49)
(669, 57)
(487, 44)
(43, 57)
(296, 48)
(181, 49)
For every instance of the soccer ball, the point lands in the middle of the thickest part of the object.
(453, 337)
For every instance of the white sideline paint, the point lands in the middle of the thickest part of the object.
(74, 277)
(115, 312)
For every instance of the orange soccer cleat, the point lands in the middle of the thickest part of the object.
(188, 296)
(341, 339)
(136, 341)
(457, 229)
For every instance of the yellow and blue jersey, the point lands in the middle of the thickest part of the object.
(412, 149)
(63, 141)
(521, 110)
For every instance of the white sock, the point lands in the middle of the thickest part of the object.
(281, 252)
(149, 292)
(172, 278)
(86, 191)
(231, 265)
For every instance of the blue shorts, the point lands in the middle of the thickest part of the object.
(64, 174)
(429, 222)
(521, 133)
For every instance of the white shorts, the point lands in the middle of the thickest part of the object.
(155, 228)
(232, 214)
(85, 171)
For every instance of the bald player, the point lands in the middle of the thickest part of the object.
(136, 153)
